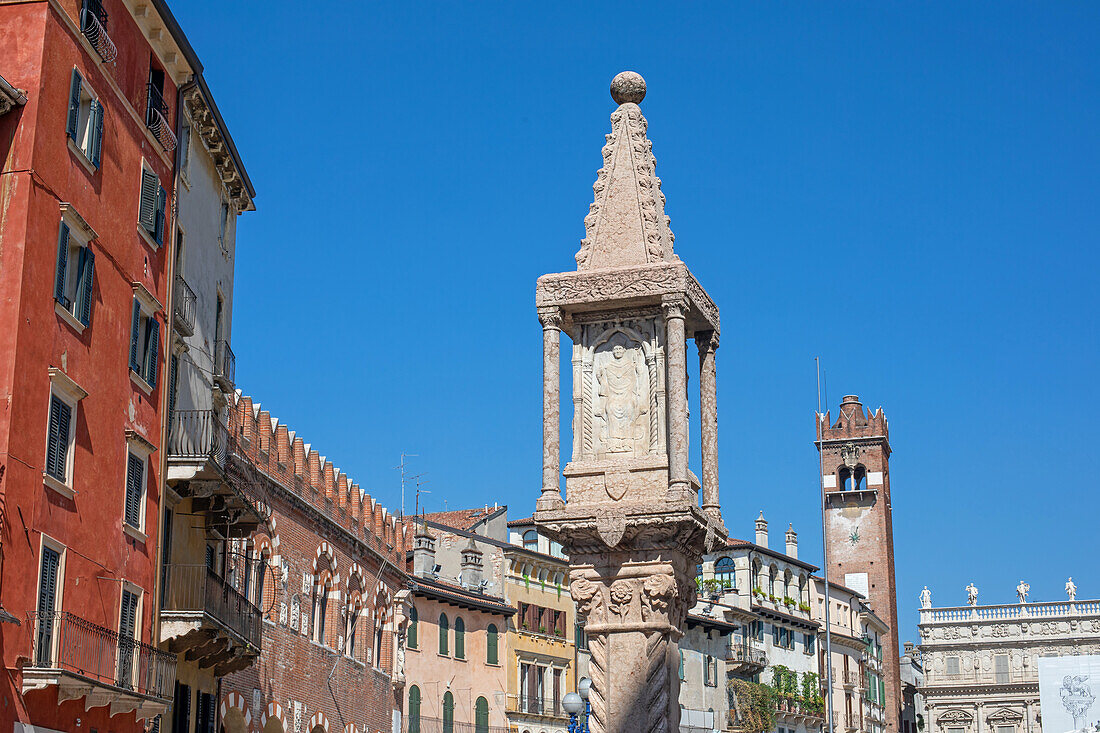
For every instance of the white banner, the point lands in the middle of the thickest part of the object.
(1068, 692)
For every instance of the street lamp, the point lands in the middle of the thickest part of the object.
(573, 705)
(583, 687)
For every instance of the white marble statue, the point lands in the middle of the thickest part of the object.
(399, 662)
(926, 598)
(972, 594)
(1022, 590)
(621, 385)
(1071, 590)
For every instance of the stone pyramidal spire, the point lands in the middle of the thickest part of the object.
(626, 223)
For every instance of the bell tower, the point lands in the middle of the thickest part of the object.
(855, 453)
(635, 520)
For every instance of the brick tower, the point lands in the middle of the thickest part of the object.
(859, 524)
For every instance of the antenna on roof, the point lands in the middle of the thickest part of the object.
(419, 491)
(824, 542)
(403, 477)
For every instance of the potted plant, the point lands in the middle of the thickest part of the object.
(542, 629)
(804, 607)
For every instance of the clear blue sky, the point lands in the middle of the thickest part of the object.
(908, 191)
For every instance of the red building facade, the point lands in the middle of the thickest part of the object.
(326, 570)
(88, 166)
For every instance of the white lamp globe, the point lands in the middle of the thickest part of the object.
(584, 686)
(572, 703)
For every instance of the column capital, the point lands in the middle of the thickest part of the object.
(674, 306)
(550, 317)
(706, 341)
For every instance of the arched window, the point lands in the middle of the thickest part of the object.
(444, 627)
(491, 644)
(410, 638)
(531, 540)
(460, 638)
(414, 709)
(353, 623)
(724, 573)
(261, 576)
(448, 713)
(320, 614)
(378, 637)
(481, 716)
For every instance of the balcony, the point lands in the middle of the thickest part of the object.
(156, 118)
(87, 661)
(199, 446)
(185, 307)
(93, 24)
(745, 656)
(793, 709)
(531, 705)
(225, 365)
(850, 679)
(206, 618)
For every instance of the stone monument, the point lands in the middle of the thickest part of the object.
(635, 520)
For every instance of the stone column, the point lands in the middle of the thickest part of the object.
(675, 309)
(707, 343)
(551, 409)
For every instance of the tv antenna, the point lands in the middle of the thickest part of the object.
(420, 490)
(404, 477)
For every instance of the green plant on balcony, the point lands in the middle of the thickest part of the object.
(758, 592)
(542, 629)
(712, 586)
(788, 602)
(772, 598)
(752, 706)
(811, 698)
(804, 607)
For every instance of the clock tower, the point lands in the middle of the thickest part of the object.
(855, 459)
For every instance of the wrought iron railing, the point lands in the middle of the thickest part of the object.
(536, 705)
(198, 434)
(93, 24)
(186, 305)
(156, 118)
(225, 364)
(198, 589)
(68, 642)
(746, 651)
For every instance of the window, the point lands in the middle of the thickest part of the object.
(414, 709)
(724, 573)
(204, 715)
(531, 540)
(444, 627)
(808, 642)
(85, 123)
(775, 634)
(580, 638)
(246, 584)
(491, 644)
(75, 273)
(151, 207)
(144, 337)
(127, 636)
(956, 730)
(448, 713)
(185, 149)
(460, 638)
(378, 636)
(320, 612)
(353, 623)
(181, 709)
(1000, 669)
(135, 490)
(49, 584)
(410, 635)
(481, 716)
(710, 670)
(59, 441)
(681, 672)
(952, 665)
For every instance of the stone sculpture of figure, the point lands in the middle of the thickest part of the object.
(399, 661)
(926, 598)
(1022, 590)
(1071, 590)
(620, 386)
(971, 594)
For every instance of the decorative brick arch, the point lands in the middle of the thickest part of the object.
(318, 719)
(236, 701)
(274, 710)
(350, 728)
(383, 604)
(326, 570)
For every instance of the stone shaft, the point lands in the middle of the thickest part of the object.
(551, 408)
(678, 484)
(707, 343)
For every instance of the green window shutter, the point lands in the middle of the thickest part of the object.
(173, 378)
(135, 323)
(152, 348)
(481, 716)
(57, 448)
(96, 143)
(74, 105)
(444, 628)
(62, 265)
(161, 203)
(491, 645)
(147, 209)
(414, 710)
(411, 634)
(47, 605)
(448, 713)
(135, 473)
(84, 285)
(460, 638)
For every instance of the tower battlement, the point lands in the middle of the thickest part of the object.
(853, 421)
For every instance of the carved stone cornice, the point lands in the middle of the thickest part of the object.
(204, 122)
(550, 318)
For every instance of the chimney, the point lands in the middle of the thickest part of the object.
(423, 552)
(761, 530)
(470, 575)
(908, 648)
(792, 542)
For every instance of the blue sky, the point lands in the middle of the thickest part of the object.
(907, 191)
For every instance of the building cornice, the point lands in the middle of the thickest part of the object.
(207, 121)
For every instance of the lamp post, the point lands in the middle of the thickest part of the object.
(583, 687)
(573, 704)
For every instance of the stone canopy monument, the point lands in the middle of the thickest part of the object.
(633, 522)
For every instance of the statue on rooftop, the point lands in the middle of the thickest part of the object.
(972, 594)
(926, 598)
(1022, 590)
(1071, 590)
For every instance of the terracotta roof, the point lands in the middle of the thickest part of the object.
(694, 619)
(458, 595)
(463, 519)
(524, 521)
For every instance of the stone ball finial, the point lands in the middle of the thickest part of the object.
(628, 86)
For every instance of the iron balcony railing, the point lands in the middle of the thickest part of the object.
(536, 706)
(746, 651)
(198, 434)
(186, 305)
(156, 118)
(225, 364)
(93, 24)
(198, 589)
(68, 642)
(419, 724)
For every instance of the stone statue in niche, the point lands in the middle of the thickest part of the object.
(622, 388)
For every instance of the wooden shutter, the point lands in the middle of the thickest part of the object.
(127, 625)
(181, 709)
(448, 713)
(173, 377)
(84, 285)
(135, 474)
(414, 710)
(134, 324)
(62, 265)
(152, 350)
(57, 447)
(481, 716)
(74, 104)
(147, 210)
(159, 219)
(47, 606)
(95, 145)
(410, 638)
(460, 638)
(491, 645)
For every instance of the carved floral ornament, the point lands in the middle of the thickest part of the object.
(1006, 715)
(659, 598)
(955, 716)
(550, 318)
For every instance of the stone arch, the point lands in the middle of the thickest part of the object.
(318, 723)
(273, 720)
(234, 713)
